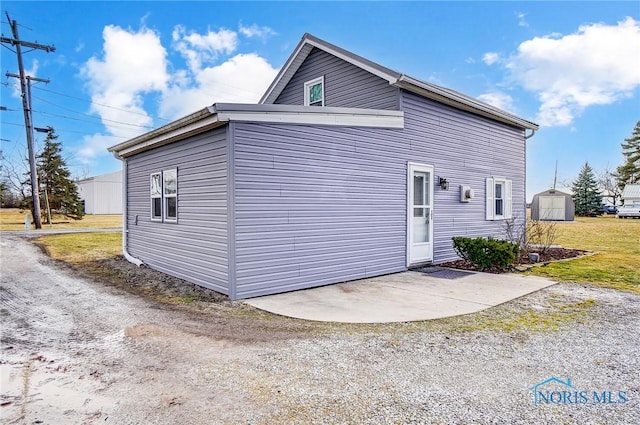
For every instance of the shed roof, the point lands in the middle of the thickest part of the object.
(631, 191)
(396, 79)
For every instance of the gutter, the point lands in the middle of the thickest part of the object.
(125, 230)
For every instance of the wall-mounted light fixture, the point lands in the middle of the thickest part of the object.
(444, 183)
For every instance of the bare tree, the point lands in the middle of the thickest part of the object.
(14, 178)
(608, 181)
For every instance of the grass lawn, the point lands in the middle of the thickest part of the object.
(617, 264)
(82, 248)
(13, 219)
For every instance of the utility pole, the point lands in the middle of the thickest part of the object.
(26, 106)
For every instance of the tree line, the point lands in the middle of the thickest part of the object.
(588, 189)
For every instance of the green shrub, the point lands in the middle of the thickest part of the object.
(486, 253)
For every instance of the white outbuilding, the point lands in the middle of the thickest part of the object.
(102, 194)
(552, 205)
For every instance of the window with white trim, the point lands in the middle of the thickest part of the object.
(499, 202)
(170, 194)
(156, 196)
(314, 92)
(164, 195)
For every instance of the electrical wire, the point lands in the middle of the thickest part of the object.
(67, 130)
(99, 120)
(96, 103)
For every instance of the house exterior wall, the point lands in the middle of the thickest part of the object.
(345, 84)
(196, 247)
(102, 194)
(316, 205)
(465, 149)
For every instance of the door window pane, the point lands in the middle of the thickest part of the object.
(418, 189)
(418, 212)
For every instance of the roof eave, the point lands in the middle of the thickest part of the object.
(309, 40)
(192, 124)
(220, 114)
(461, 102)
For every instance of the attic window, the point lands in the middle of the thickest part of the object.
(314, 92)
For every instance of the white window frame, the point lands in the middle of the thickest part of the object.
(160, 192)
(167, 196)
(157, 194)
(308, 85)
(507, 197)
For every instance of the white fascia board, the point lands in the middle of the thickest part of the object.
(391, 78)
(284, 71)
(372, 118)
(170, 135)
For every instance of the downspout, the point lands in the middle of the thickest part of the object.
(531, 135)
(125, 228)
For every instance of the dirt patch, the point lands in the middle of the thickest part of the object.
(119, 272)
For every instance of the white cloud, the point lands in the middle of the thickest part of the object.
(490, 58)
(498, 99)
(202, 48)
(521, 20)
(94, 146)
(242, 79)
(256, 31)
(134, 64)
(597, 65)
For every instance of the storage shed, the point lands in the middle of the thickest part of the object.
(552, 205)
(345, 170)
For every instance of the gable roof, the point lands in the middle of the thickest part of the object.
(396, 79)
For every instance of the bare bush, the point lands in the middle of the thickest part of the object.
(527, 233)
(542, 234)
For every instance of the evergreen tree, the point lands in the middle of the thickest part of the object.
(629, 172)
(586, 194)
(55, 180)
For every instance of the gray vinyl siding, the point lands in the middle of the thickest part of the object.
(318, 205)
(345, 84)
(195, 248)
(314, 206)
(465, 149)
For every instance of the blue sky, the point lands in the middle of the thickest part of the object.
(122, 68)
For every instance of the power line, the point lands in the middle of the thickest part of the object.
(67, 130)
(25, 90)
(92, 122)
(100, 104)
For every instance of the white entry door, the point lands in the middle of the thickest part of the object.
(419, 213)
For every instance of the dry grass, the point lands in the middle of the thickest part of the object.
(617, 264)
(14, 218)
(82, 248)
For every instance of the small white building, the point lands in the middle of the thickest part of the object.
(631, 194)
(552, 205)
(102, 194)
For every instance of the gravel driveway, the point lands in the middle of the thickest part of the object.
(81, 352)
